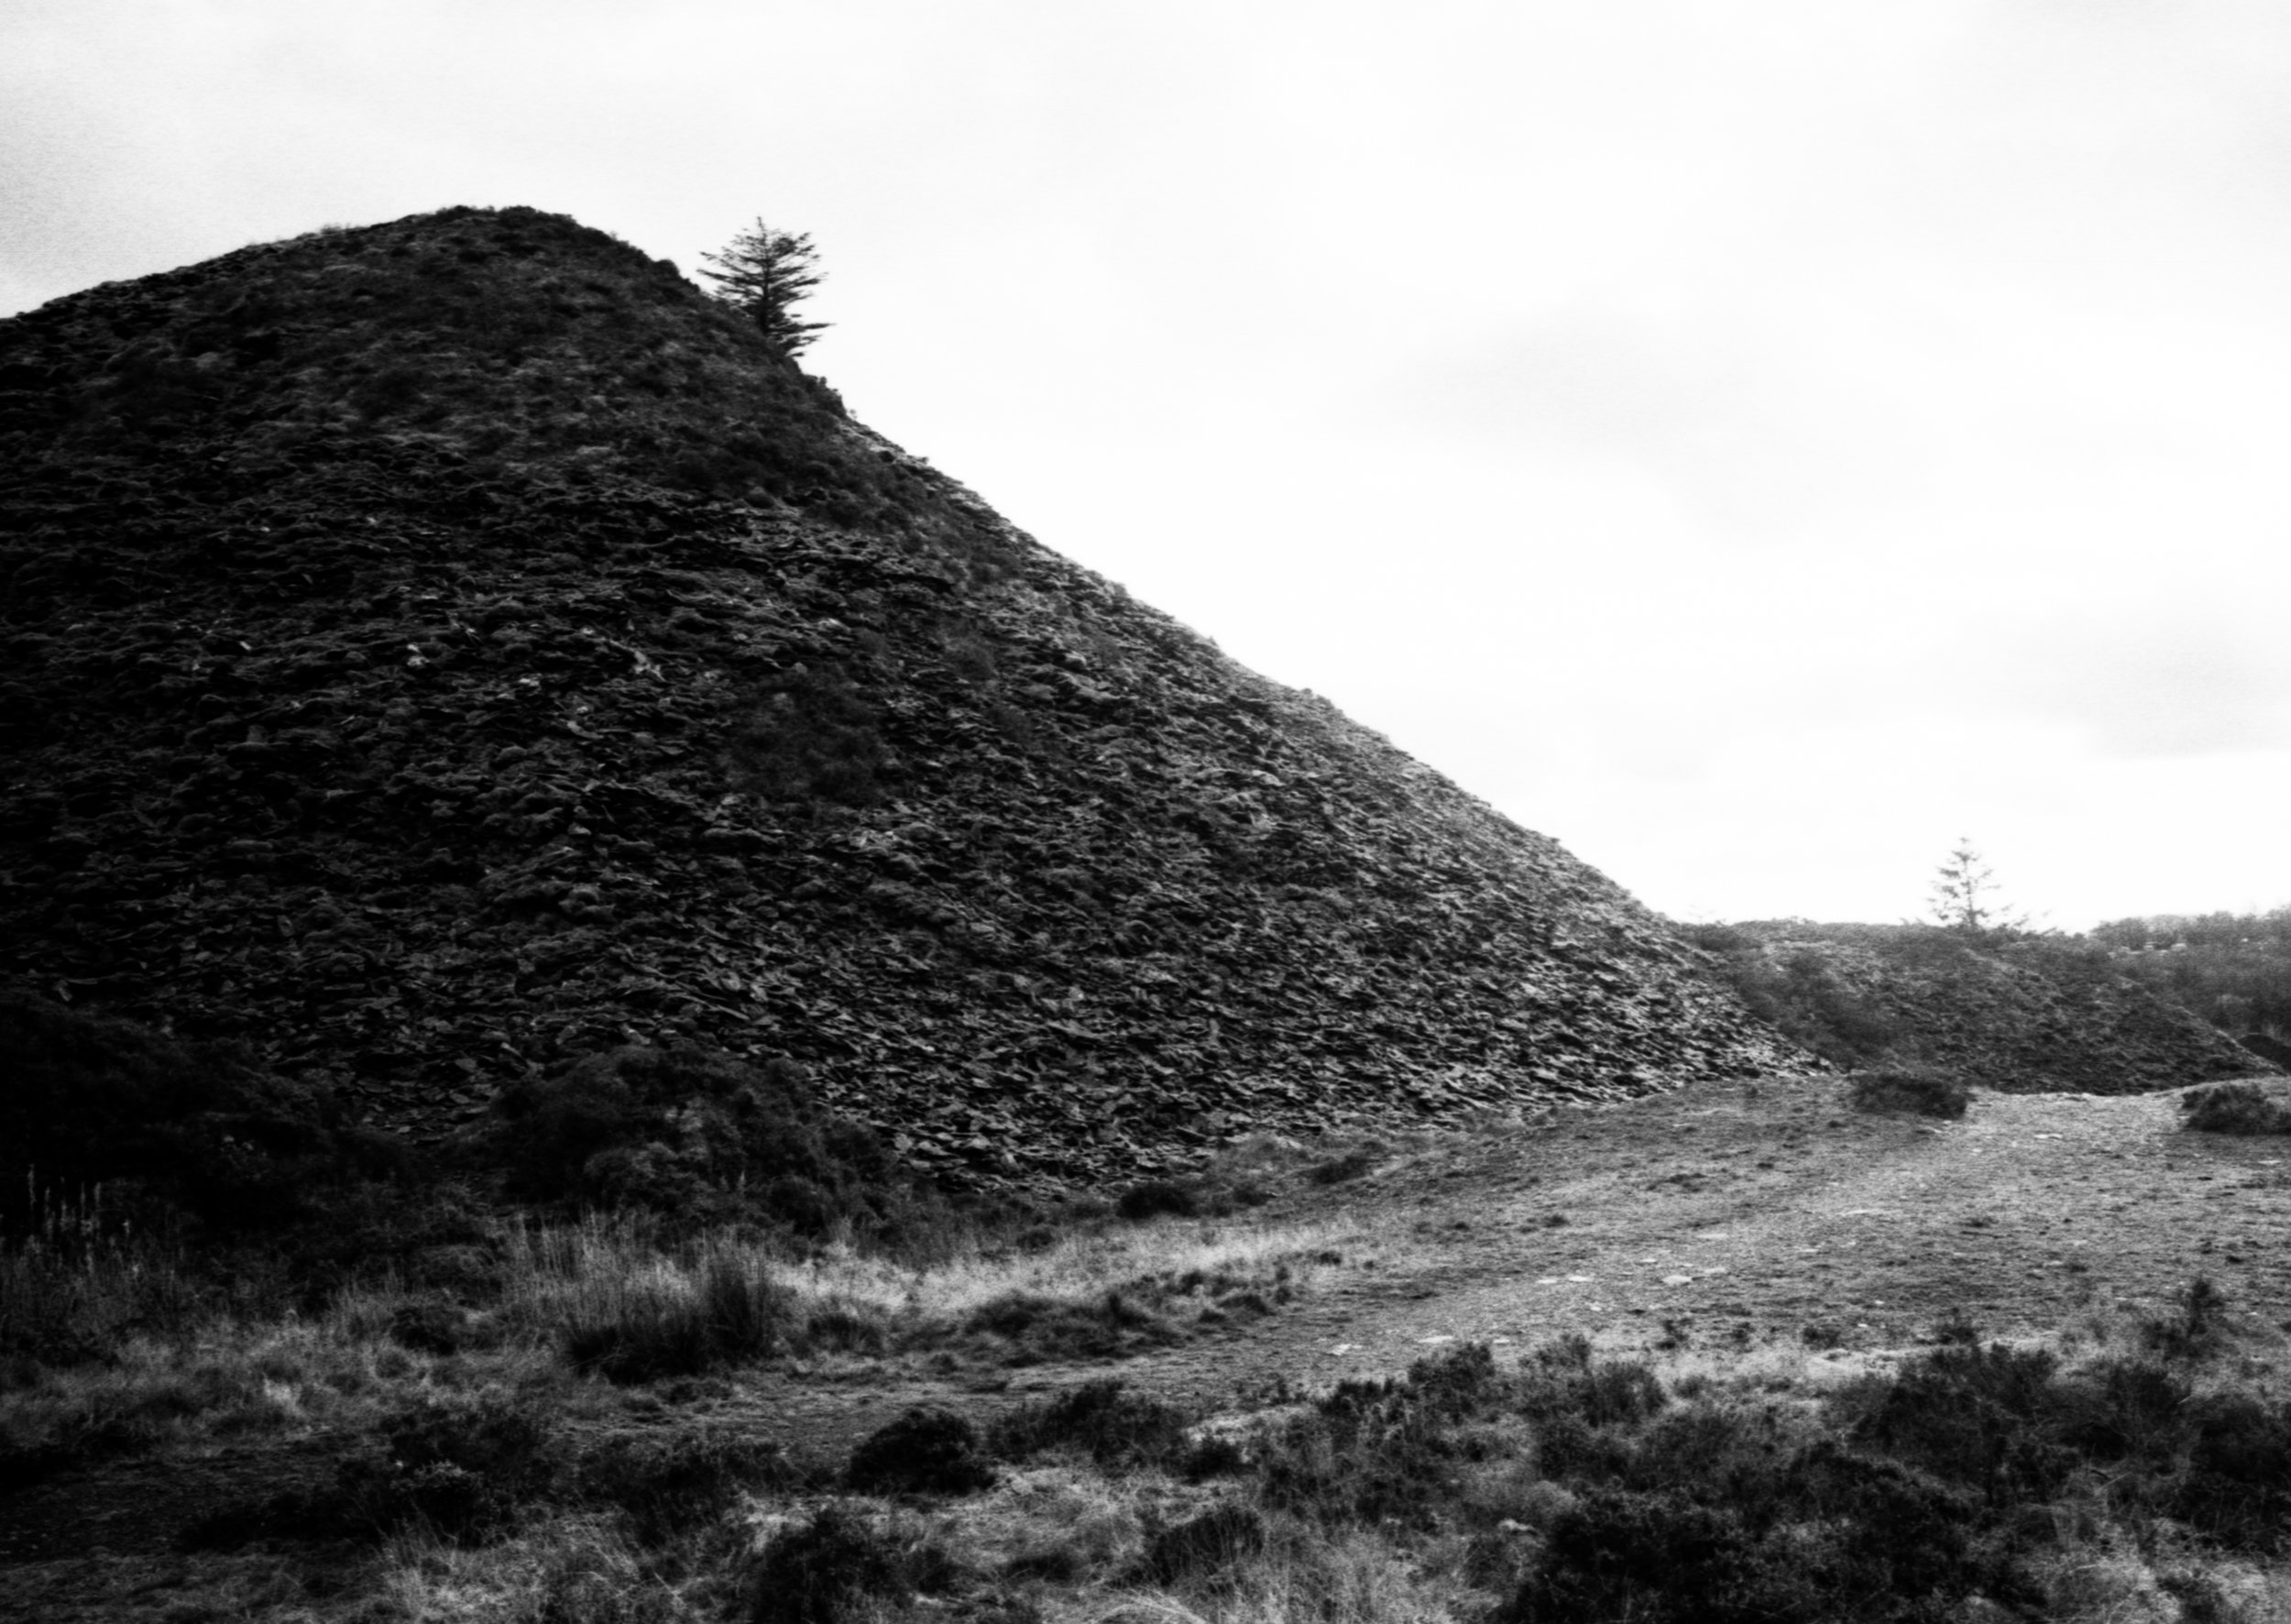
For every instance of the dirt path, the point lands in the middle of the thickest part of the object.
(1750, 1213)
(1720, 1218)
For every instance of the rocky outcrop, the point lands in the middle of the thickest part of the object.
(435, 652)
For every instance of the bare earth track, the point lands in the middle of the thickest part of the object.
(1728, 1216)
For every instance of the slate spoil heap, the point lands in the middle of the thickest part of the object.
(437, 651)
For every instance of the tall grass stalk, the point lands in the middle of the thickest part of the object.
(80, 1278)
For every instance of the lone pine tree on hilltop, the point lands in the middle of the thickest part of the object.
(1965, 894)
(765, 272)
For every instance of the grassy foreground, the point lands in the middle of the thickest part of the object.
(1071, 1416)
(2136, 1471)
(564, 1441)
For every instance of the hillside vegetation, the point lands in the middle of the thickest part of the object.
(2014, 1012)
(2233, 970)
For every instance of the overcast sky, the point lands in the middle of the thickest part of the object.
(1754, 444)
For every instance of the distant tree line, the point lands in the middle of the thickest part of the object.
(2234, 970)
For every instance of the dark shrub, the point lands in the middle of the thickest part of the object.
(811, 738)
(1801, 995)
(848, 1330)
(925, 1451)
(1827, 1535)
(428, 1327)
(1914, 1087)
(2237, 1484)
(1582, 1427)
(1214, 1457)
(2127, 1410)
(1116, 1427)
(2269, 1048)
(459, 1467)
(1038, 1328)
(1375, 1450)
(1156, 1198)
(1647, 1559)
(1562, 1380)
(2197, 1330)
(295, 1514)
(2234, 1108)
(1977, 1416)
(832, 1568)
(1897, 1533)
(88, 1100)
(1338, 1169)
(696, 1136)
(1204, 1547)
(801, 1205)
(668, 1485)
(563, 1122)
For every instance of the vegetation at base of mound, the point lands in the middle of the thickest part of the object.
(1800, 995)
(190, 1128)
(147, 1182)
(2236, 1108)
(699, 1139)
(1902, 1085)
(114, 1341)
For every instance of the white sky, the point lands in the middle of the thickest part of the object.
(1752, 443)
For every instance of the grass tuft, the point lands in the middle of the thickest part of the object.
(728, 1311)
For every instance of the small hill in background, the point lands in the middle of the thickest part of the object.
(2233, 970)
(436, 652)
(2019, 1013)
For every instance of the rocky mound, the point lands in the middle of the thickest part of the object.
(2022, 1014)
(436, 651)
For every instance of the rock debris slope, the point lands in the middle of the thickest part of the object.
(439, 650)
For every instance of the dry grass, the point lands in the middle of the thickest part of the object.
(229, 1379)
(579, 1569)
(80, 1280)
(608, 1295)
(613, 1271)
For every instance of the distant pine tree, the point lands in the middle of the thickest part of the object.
(1964, 895)
(765, 272)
